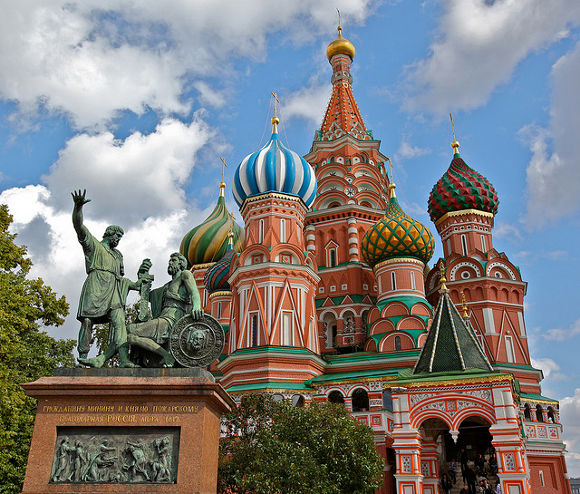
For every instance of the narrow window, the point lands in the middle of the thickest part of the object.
(204, 297)
(542, 478)
(483, 249)
(509, 349)
(283, 231)
(261, 231)
(397, 343)
(298, 230)
(219, 310)
(254, 330)
(393, 281)
(412, 281)
(464, 245)
(539, 413)
(287, 328)
(332, 258)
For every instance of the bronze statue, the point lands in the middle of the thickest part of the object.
(169, 304)
(105, 290)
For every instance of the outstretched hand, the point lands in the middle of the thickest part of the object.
(79, 198)
(197, 314)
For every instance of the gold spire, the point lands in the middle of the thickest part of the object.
(222, 183)
(464, 306)
(231, 238)
(442, 278)
(275, 119)
(455, 143)
(392, 185)
(340, 46)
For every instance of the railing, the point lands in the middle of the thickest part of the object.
(542, 431)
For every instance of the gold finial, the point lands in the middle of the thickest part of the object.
(442, 277)
(275, 119)
(222, 183)
(339, 23)
(464, 306)
(454, 144)
(392, 185)
(231, 239)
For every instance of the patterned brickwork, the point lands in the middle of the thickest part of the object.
(397, 235)
(461, 188)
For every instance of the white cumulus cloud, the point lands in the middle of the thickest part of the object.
(570, 418)
(477, 46)
(93, 59)
(553, 173)
(561, 334)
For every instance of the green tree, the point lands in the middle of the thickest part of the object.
(26, 351)
(274, 447)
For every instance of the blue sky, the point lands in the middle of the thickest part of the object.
(137, 101)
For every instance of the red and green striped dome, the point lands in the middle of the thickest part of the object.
(208, 242)
(460, 188)
(216, 277)
(396, 234)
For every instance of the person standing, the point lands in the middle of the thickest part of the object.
(446, 484)
(104, 291)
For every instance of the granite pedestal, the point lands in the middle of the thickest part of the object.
(125, 431)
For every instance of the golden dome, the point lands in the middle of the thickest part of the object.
(340, 46)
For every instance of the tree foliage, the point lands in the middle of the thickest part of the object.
(26, 351)
(273, 447)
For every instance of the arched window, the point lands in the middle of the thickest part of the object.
(464, 245)
(397, 342)
(527, 412)
(551, 415)
(298, 401)
(393, 281)
(277, 397)
(360, 400)
(283, 230)
(336, 397)
(539, 413)
(387, 400)
(261, 231)
(331, 258)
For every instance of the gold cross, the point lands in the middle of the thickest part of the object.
(224, 166)
(452, 126)
(276, 100)
(339, 23)
(391, 167)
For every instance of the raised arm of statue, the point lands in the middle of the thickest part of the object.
(79, 199)
(193, 293)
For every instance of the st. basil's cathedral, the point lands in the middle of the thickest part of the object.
(326, 295)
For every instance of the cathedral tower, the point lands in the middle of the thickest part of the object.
(352, 196)
(273, 338)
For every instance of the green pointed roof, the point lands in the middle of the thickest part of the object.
(451, 344)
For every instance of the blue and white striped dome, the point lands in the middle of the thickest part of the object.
(274, 168)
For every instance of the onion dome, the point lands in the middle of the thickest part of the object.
(460, 188)
(209, 241)
(216, 277)
(396, 234)
(340, 46)
(274, 168)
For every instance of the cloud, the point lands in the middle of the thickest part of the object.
(129, 179)
(477, 46)
(553, 174)
(570, 419)
(506, 230)
(209, 95)
(408, 151)
(92, 59)
(550, 368)
(558, 334)
(137, 183)
(308, 103)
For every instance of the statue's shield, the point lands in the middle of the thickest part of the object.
(196, 343)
